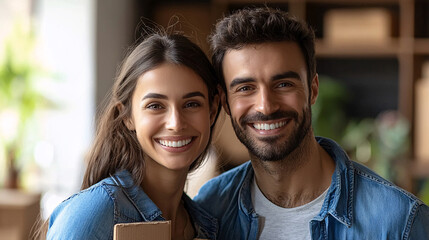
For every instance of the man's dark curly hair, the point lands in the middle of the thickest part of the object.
(260, 25)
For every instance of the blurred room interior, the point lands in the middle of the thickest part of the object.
(58, 60)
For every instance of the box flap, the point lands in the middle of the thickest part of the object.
(160, 230)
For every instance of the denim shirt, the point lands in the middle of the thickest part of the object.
(359, 204)
(92, 213)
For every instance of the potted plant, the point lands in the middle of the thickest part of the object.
(19, 97)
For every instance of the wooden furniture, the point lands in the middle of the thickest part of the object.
(409, 43)
(385, 73)
(18, 213)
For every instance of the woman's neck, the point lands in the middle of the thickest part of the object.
(165, 188)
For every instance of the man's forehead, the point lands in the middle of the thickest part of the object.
(271, 52)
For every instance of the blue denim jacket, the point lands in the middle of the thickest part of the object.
(359, 204)
(92, 213)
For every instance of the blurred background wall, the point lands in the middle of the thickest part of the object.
(59, 59)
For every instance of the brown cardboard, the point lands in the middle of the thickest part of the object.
(160, 230)
(357, 26)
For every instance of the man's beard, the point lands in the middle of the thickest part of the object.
(269, 148)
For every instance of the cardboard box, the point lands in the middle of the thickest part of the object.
(422, 120)
(358, 26)
(160, 230)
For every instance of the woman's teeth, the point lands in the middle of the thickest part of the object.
(180, 143)
(265, 126)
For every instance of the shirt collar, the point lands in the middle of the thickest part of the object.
(140, 200)
(205, 225)
(339, 199)
(245, 196)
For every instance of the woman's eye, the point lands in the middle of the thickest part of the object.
(192, 104)
(154, 106)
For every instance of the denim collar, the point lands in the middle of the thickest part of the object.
(139, 199)
(339, 199)
(204, 224)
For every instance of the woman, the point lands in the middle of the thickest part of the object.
(156, 128)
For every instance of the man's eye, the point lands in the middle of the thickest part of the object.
(284, 84)
(244, 88)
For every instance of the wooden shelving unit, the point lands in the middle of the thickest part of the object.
(407, 48)
(326, 50)
(404, 46)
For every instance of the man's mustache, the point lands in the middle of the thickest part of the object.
(258, 117)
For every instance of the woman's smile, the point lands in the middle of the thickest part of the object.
(178, 115)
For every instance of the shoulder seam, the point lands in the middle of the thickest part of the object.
(388, 184)
(106, 188)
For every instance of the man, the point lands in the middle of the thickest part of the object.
(296, 186)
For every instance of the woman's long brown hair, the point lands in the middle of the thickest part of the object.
(115, 147)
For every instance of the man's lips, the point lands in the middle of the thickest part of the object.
(269, 125)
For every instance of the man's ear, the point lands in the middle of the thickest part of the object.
(214, 109)
(224, 100)
(314, 89)
(127, 121)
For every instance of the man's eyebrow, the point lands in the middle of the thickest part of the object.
(154, 95)
(289, 74)
(194, 94)
(237, 81)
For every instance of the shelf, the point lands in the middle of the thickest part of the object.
(421, 46)
(354, 2)
(324, 49)
(391, 49)
(360, 2)
(405, 49)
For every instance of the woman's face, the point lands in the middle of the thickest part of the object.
(171, 116)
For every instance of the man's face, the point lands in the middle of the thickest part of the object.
(268, 98)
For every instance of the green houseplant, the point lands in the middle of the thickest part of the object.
(381, 143)
(19, 97)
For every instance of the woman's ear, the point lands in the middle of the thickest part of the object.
(130, 124)
(127, 121)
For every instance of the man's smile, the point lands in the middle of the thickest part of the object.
(269, 125)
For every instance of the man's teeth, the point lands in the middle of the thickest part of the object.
(180, 143)
(265, 126)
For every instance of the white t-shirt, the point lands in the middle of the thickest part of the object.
(284, 223)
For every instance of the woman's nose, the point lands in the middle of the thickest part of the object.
(175, 121)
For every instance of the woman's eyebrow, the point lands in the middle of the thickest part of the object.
(162, 96)
(154, 95)
(194, 94)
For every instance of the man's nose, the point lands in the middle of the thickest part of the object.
(175, 121)
(266, 102)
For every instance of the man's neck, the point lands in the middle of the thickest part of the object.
(298, 179)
